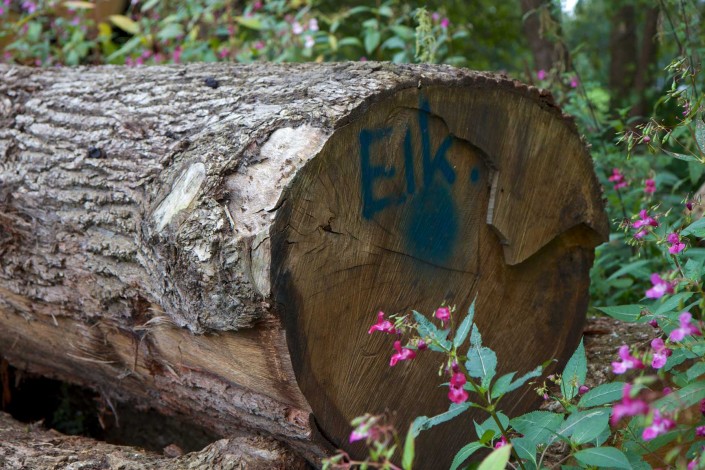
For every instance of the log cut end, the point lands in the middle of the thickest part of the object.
(434, 194)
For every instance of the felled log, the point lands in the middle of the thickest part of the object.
(214, 240)
(32, 447)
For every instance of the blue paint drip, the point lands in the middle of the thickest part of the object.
(438, 162)
(475, 175)
(409, 163)
(431, 224)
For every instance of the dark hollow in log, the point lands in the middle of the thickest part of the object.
(219, 253)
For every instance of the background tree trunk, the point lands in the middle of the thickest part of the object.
(213, 241)
(542, 31)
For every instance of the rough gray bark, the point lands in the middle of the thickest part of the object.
(24, 446)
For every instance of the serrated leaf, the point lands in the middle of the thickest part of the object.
(464, 454)
(695, 371)
(482, 364)
(490, 425)
(538, 426)
(578, 420)
(423, 423)
(407, 459)
(605, 457)
(601, 395)
(464, 327)
(672, 303)
(574, 373)
(125, 23)
(681, 399)
(697, 229)
(682, 156)
(626, 313)
(591, 427)
(501, 385)
(525, 449)
(497, 460)
(538, 370)
(693, 269)
(475, 336)
(425, 327)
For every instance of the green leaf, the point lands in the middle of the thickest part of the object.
(394, 43)
(425, 327)
(125, 23)
(464, 454)
(525, 449)
(423, 423)
(574, 373)
(700, 133)
(404, 32)
(681, 399)
(693, 269)
(372, 38)
(538, 426)
(464, 327)
(592, 427)
(697, 229)
(497, 460)
(490, 425)
(695, 371)
(475, 337)
(407, 459)
(482, 364)
(605, 457)
(170, 31)
(672, 303)
(580, 419)
(684, 157)
(626, 313)
(602, 394)
(501, 385)
(250, 22)
(128, 47)
(525, 378)
(350, 41)
(628, 269)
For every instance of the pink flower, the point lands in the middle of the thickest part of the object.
(574, 82)
(176, 55)
(700, 431)
(296, 28)
(618, 179)
(29, 7)
(421, 345)
(689, 205)
(658, 426)
(313, 24)
(583, 389)
(443, 314)
(661, 353)
(501, 442)
(645, 220)
(541, 75)
(693, 464)
(309, 42)
(653, 323)
(686, 328)
(660, 287)
(445, 22)
(385, 326)
(435, 16)
(457, 393)
(628, 406)
(676, 246)
(401, 354)
(649, 185)
(359, 435)
(628, 361)
(257, 5)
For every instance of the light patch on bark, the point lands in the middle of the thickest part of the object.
(181, 196)
(261, 261)
(255, 190)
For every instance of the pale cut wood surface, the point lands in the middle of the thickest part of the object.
(220, 252)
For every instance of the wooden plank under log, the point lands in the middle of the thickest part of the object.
(218, 250)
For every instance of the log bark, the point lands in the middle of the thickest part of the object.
(214, 240)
